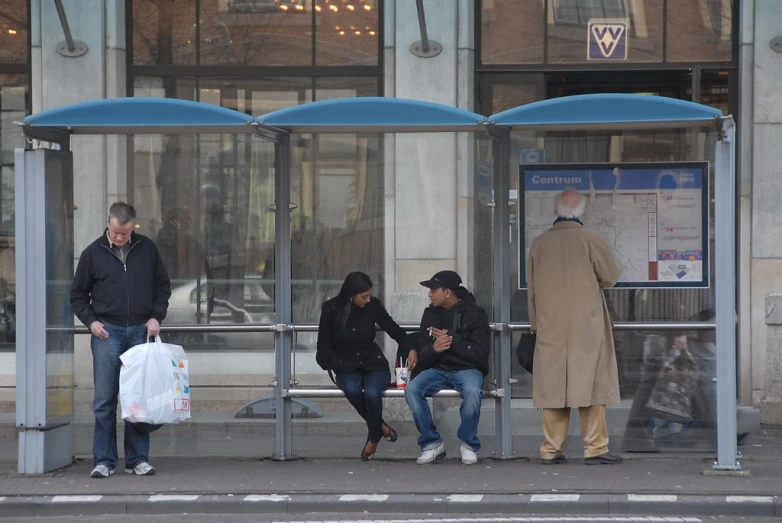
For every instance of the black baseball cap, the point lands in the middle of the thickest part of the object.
(443, 280)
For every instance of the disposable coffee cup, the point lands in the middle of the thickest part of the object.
(402, 377)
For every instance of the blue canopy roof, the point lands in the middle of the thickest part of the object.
(614, 111)
(373, 114)
(142, 115)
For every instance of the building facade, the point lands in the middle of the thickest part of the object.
(398, 207)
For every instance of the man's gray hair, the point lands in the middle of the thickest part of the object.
(565, 209)
(122, 212)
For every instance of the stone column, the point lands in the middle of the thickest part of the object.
(765, 182)
(771, 404)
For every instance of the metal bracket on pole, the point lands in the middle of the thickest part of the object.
(424, 48)
(70, 48)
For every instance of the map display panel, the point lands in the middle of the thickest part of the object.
(654, 216)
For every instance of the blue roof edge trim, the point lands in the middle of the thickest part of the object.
(605, 109)
(371, 112)
(138, 112)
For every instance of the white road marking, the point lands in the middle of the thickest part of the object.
(363, 497)
(75, 499)
(652, 497)
(555, 497)
(173, 497)
(1, 499)
(749, 499)
(267, 497)
(465, 498)
(531, 519)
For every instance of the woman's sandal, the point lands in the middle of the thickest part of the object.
(366, 455)
(392, 435)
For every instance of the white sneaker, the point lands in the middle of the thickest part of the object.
(469, 457)
(430, 456)
(142, 469)
(101, 471)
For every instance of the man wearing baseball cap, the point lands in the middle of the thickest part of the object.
(452, 351)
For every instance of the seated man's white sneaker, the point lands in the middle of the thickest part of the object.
(469, 457)
(430, 456)
(101, 471)
(142, 469)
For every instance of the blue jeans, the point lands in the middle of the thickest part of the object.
(469, 384)
(364, 390)
(105, 367)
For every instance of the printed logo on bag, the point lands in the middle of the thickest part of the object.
(181, 405)
(607, 39)
(181, 364)
(187, 390)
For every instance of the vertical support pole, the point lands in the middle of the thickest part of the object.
(725, 254)
(283, 445)
(44, 198)
(502, 338)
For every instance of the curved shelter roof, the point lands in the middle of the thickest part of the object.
(607, 111)
(142, 115)
(373, 114)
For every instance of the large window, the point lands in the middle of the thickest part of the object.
(208, 200)
(557, 32)
(14, 106)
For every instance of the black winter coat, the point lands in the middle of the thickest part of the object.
(109, 291)
(468, 324)
(353, 348)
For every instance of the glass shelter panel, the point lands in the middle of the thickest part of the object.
(645, 358)
(398, 207)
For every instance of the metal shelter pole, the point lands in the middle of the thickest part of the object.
(503, 446)
(283, 341)
(725, 269)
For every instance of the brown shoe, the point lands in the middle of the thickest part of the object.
(604, 459)
(556, 460)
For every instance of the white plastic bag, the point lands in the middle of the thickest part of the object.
(154, 383)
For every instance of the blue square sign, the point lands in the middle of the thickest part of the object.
(607, 40)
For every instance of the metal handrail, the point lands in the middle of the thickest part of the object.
(410, 327)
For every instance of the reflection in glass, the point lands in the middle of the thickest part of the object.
(502, 42)
(164, 32)
(13, 107)
(700, 31)
(13, 32)
(59, 272)
(569, 36)
(347, 33)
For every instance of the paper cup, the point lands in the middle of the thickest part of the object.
(402, 377)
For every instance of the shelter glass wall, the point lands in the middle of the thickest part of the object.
(640, 353)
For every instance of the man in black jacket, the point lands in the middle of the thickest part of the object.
(452, 351)
(120, 291)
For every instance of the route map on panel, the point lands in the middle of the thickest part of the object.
(653, 215)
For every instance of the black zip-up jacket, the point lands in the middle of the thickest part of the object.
(106, 290)
(354, 349)
(469, 326)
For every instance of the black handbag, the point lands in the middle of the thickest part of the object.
(526, 350)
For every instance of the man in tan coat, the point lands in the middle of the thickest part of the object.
(575, 362)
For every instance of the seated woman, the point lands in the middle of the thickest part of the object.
(347, 347)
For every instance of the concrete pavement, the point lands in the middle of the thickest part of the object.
(673, 484)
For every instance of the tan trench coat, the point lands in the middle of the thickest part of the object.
(575, 361)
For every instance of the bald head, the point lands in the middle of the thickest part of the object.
(569, 204)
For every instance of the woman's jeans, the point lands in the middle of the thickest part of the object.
(105, 367)
(364, 390)
(469, 384)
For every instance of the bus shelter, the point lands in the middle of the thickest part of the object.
(45, 224)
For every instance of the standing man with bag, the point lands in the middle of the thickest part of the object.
(120, 292)
(575, 362)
